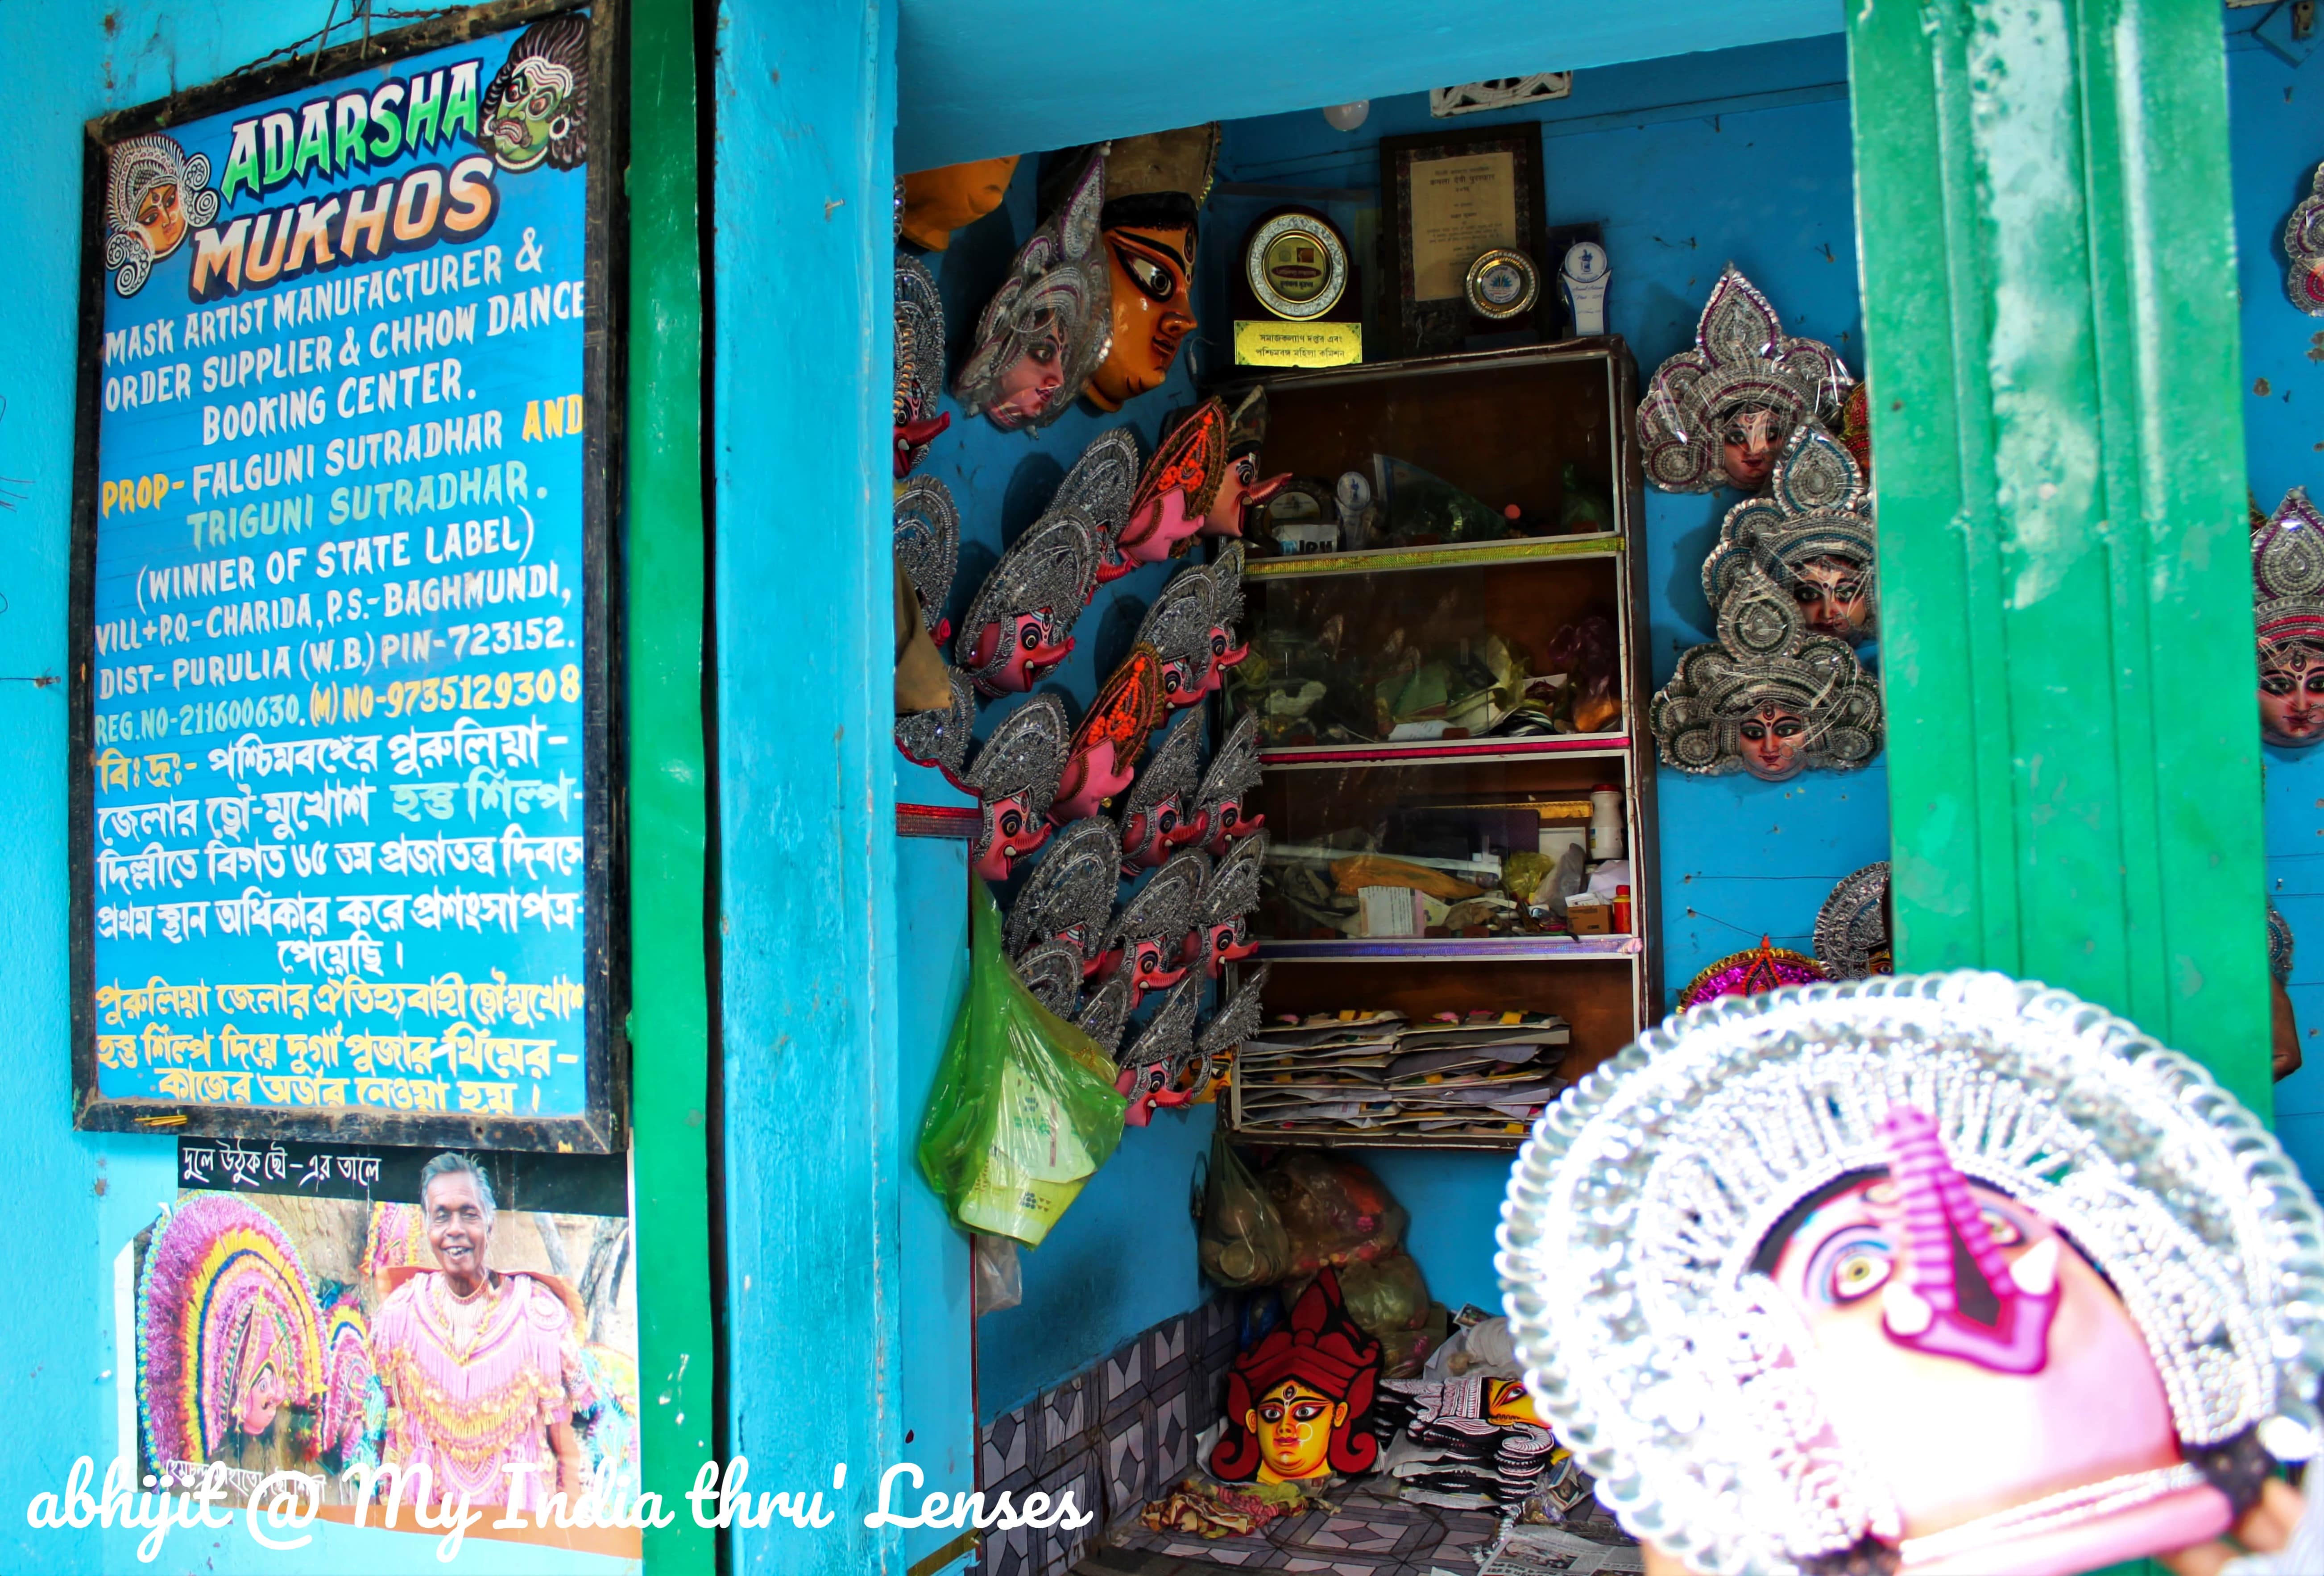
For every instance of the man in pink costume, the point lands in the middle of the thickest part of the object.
(481, 1368)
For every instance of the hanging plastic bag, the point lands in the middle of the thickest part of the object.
(999, 1283)
(1024, 1110)
(1242, 1242)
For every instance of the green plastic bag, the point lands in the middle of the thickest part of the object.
(1024, 1110)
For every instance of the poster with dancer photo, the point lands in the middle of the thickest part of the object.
(320, 1307)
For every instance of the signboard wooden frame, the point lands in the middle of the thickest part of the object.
(1413, 326)
(600, 1125)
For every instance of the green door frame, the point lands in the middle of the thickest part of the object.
(667, 787)
(2050, 333)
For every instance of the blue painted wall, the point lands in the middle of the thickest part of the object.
(2276, 135)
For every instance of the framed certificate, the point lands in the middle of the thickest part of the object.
(1446, 200)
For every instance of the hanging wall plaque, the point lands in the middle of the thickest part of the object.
(341, 851)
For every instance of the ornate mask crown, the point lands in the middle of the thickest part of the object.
(927, 543)
(1050, 570)
(1165, 783)
(2278, 946)
(1851, 928)
(1785, 1275)
(1156, 1061)
(1021, 761)
(2303, 250)
(1741, 360)
(1106, 1013)
(941, 738)
(1178, 626)
(1765, 967)
(1052, 973)
(1112, 734)
(1232, 889)
(1812, 703)
(1071, 892)
(1236, 1021)
(1234, 773)
(1816, 512)
(1178, 486)
(1149, 933)
(1100, 484)
(1050, 323)
(2287, 572)
(919, 363)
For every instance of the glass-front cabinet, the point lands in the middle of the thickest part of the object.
(1446, 677)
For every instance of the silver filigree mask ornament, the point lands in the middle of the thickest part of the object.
(2287, 551)
(941, 738)
(1226, 613)
(1812, 533)
(1069, 897)
(1100, 486)
(1768, 698)
(1156, 820)
(2278, 946)
(154, 197)
(1105, 1013)
(1148, 935)
(1224, 800)
(1920, 1273)
(1051, 322)
(1719, 413)
(1021, 622)
(1178, 626)
(919, 363)
(1852, 930)
(1052, 975)
(1235, 1022)
(1014, 778)
(2303, 250)
(1221, 917)
(1162, 1067)
(925, 535)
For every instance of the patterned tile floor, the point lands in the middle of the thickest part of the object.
(1364, 1534)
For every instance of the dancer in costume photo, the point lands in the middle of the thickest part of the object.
(482, 1369)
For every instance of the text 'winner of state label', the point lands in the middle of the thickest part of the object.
(338, 665)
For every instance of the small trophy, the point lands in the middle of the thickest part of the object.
(1583, 278)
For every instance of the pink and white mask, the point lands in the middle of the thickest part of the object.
(1974, 1363)
(1935, 1275)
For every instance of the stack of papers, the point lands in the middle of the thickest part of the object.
(1482, 1075)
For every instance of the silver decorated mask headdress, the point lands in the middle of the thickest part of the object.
(1101, 485)
(941, 738)
(926, 538)
(2278, 946)
(1070, 893)
(1050, 571)
(2287, 552)
(1226, 611)
(156, 166)
(1227, 785)
(1148, 934)
(1106, 1013)
(1236, 1021)
(1768, 698)
(919, 363)
(1158, 813)
(1851, 928)
(2303, 250)
(1812, 533)
(1021, 761)
(1229, 894)
(1051, 322)
(1178, 626)
(1650, 1265)
(1158, 1061)
(1052, 975)
(1742, 365)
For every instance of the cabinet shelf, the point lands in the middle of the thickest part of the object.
(1447, 752)
(1454, 949)
(1457, 556)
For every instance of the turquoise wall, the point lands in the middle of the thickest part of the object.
(2276, 135)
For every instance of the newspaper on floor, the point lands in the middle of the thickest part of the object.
(1549, 1551)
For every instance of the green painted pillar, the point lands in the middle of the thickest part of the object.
(2067, 648)
(666, 787)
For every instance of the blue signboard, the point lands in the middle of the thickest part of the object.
(342, 864)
